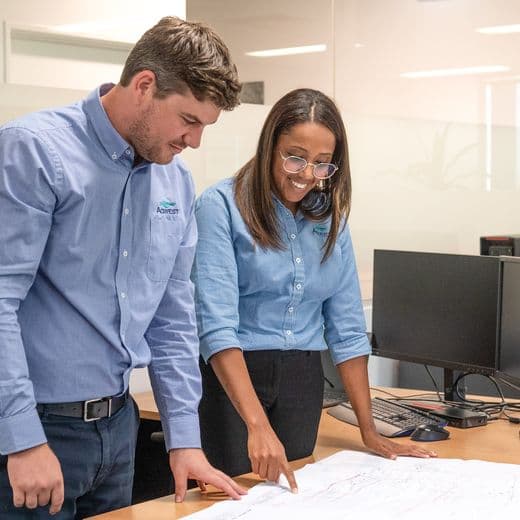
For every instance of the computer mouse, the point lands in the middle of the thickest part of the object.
(429, 433)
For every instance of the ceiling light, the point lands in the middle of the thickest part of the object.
(500, 29)
(288, 51)
(464, 71)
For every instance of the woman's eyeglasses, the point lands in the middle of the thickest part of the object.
(294, 164)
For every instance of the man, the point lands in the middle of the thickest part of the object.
(97, 237)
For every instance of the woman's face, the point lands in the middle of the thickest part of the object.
(311, 141)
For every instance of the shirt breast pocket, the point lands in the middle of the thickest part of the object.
(165, 238)
(324, 279)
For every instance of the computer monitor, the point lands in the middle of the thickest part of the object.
(509, 356)
(438, 309)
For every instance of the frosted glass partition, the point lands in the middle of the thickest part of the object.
(423, 185)
(294, 37)
(430, 92)
(226, 145)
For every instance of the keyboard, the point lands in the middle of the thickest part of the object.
(391, 419)
(333, 396)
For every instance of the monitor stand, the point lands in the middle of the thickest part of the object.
(450, 392)
(460, 417)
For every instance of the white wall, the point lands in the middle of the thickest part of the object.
(116, 20)
(37, 73)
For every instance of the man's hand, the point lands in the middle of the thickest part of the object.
(267, 456)
(191, 463)
(36, 478)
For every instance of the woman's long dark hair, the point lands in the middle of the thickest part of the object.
(254, 184)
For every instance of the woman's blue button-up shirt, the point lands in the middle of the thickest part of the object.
(259, 299)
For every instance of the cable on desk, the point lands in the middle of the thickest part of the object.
(394, 396)
(434, 382)
(494, 410)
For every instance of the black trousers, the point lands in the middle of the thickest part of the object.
(289, 384)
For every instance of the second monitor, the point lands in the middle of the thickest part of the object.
(438, 309)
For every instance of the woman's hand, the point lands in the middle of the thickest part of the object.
(391, 450)
(267, 455)
(265, 451)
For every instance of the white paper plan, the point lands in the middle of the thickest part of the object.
(354, 485)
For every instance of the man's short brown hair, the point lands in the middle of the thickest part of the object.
(185, 55)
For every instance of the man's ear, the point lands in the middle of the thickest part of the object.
(143, 84)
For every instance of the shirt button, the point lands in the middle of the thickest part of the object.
(288, 332)
(298, 286)
(128, 152)
(298, 260)
(125, 253)
(123, 295)
(293, 236)
(290, 309)
(126, 211)
(114, 156)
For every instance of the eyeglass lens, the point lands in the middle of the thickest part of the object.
(295, 164)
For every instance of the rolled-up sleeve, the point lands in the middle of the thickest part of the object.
(29, 174)
(215, 276)
(344, 320)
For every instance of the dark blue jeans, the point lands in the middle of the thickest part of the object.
(97, 461)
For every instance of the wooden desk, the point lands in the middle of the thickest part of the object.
(496, 442)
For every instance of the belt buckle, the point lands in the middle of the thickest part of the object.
(86, 418)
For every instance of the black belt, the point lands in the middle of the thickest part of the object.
(91, 410)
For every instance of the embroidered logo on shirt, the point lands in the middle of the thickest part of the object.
(321, 230)
(167, 207)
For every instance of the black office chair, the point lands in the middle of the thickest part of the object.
(153, 477)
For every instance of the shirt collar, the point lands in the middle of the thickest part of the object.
(114, 145)
(285, 211)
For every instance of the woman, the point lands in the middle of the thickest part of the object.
(276, 283)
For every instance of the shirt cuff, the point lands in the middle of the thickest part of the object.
(217, 341)
(20, 432)
(349, 350)
(182, 432)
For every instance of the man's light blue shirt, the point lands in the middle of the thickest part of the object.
(95, 259)
(260, 299)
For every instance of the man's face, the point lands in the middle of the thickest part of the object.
(162, 128)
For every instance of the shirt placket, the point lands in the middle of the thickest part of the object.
(123, 264)
(298, 283)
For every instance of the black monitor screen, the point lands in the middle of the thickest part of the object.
(509, 364)
(437, 309)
